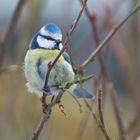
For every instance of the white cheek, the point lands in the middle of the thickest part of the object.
(42, 42)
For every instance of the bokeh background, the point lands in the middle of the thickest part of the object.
(20, 111)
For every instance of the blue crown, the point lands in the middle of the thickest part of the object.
(53, 28)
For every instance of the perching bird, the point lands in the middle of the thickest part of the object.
(43, 49)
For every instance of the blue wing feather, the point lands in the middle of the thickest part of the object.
(67, 57)
(80, 92)
(33, 43)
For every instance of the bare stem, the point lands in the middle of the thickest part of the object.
(108, 38)
(11, 28)
(41, 125)
(103, 130)
(116, 110)
(47, 112)
(100, 106)
(74, 25)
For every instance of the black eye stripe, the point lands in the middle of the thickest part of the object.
(47, 37)
(50, 38)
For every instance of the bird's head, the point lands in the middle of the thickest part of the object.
(48, 37)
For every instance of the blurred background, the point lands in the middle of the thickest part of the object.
(20, 111)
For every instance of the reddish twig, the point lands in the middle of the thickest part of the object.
(108, 37)
(50, 66)
(102, 68)
(92, 56)
(102, 128)
(93, 20)
(74, 25)
(83, 124)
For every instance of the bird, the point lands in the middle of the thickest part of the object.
(43, 48)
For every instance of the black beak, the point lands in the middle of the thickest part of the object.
(58, 42)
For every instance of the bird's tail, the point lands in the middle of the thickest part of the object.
(80, 92)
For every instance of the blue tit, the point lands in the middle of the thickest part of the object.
(43, 49)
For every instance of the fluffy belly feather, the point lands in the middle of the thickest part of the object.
(36, 66)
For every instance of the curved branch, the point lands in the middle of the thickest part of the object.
(108, 38)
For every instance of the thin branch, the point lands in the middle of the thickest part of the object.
(100, 93)
(103, 130)
(41, 125)
(47, 112)
(108, 37)
(48, 107)
(76, 100)
(11, 28)
(116, 110)
(14, 20)
(74, 25)
(93, 21)
(70, 52)
(104, 72)
(76, 81)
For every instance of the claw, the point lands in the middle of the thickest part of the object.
(61, 107)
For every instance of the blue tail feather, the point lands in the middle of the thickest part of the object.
(80, 92)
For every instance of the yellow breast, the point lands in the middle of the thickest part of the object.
(44, 54)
